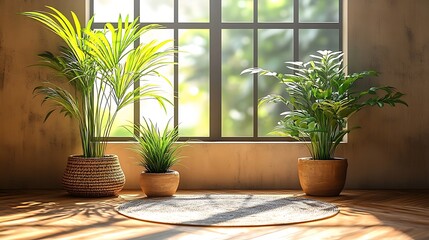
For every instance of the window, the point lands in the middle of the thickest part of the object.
(216, 40)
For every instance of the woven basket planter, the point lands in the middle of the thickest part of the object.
(93, 177)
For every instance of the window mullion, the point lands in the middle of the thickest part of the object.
(176, 66)
(255, 76)
(215, 81)
(137, 83)
(296, 30)
(340, 22)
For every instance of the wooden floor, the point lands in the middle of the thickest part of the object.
(363, 215)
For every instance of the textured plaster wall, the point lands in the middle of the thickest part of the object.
(31, 153)
(390, 151)
(392, 148)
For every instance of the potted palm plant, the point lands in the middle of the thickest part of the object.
(99, 72)
(321, 97)
(158, 152)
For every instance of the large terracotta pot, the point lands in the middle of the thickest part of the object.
(322, 177)
(159, 184)
(93, 177)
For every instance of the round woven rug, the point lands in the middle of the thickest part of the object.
(227, 210)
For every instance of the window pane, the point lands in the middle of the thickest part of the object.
(109, 10)
(237, 90)
(157, 11)
(237, 10)
(124, 118)
(193, 10)
(275, 46)
(275, 10)
(150, 108)
(319, 10)
(312, 40)
(194, 83)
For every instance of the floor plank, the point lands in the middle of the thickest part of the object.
(364, 214)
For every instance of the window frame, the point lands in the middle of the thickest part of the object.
(215, 27)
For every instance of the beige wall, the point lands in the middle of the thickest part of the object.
(390, 151)
(392, 148)
(31, 153)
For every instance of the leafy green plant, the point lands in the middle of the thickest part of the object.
(157, 149)
(102, 69)
(321, 97)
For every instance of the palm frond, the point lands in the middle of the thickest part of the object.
(102, 71)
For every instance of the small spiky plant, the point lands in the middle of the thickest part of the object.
(158, 149)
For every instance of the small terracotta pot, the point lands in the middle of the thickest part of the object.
(159, 184)
(322, 177)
